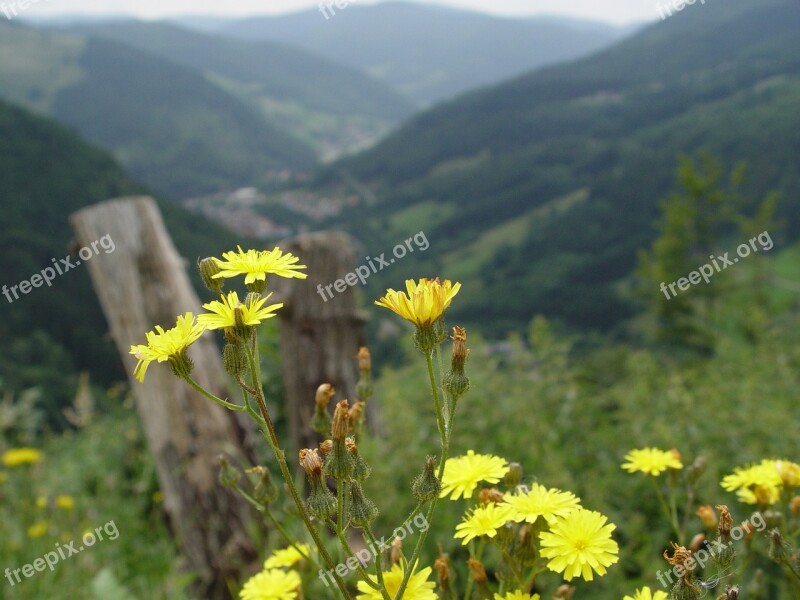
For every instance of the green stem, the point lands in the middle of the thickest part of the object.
(445, 449)
(349, 553)
(272, 438)
(212, 397)
(378, 561)
(478, 555)
(665, 507)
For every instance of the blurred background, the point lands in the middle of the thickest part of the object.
(561, 162)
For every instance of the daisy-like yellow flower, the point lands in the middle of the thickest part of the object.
(541, 502)
(65, 502)
(462, 474)
(580, 544)
(757, 484)
(484, 520)
(223, 314)
(37, 530)
(516, 595)
(646, 594)
(271, 584)
(651, 461)
(166, 345)
(17, 457)
(418, 588)
(255, 265)
(423, 303)
(287, 557)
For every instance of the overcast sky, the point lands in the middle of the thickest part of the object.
(616, 11)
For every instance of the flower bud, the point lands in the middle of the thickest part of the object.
(795, 506)
(514, 476)
(696, 470)
(323, 395)
(725, 523)
(341, 421)
(228, 475)
(325, 447)
(443, 570)
(490, 496)
(456, 382)
(264, 490)
(708, 517)
(208, 267)
(234, 360)
(396, 552)
(477, 571)
(361, 470)
(426, 485)
(697, 542)
(362, 510)
(356, 415)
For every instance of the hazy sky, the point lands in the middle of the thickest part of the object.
(617, 11)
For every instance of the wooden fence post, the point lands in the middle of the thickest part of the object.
(143, 283)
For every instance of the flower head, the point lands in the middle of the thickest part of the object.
(516, 595)
(287, 557)
(541, 502)
(462, 474)
(166, 345)
(789, 473)
(16, 457)
(484, 520)
(651, 461)
(38, 529)
(646, 594)
(65, 502)
(223, 314)
(757, 484)
(423, 303)
(418, 588)
(271, 584)
(255, 265)
(579, 544)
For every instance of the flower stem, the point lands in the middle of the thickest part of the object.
(272, 438)
(378, 561)
(445, 449)
(212, 397)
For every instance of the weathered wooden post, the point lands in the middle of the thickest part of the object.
(320, 336)
(143, 283)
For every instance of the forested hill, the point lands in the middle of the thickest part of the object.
(539, 192)
(46, 173)
(167, 124)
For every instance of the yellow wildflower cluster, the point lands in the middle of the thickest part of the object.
(764, 482)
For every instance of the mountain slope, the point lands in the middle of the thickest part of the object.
(545, 187)
(334, 106)
(428, 52)
(167, 124)
(46, 173)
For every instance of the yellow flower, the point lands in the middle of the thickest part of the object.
(579, 544)
(484, 520)
(37, 530)
(757, 484)
(651, 461)
(419, 588)
(65, 502)
(646, 594)
(41, 502)
(287, 557)
(541, 502)
(462, 474)
(423, 303)
(271, 584)
(789, 473)
(516, 595)
(16, 457)
(257, 264)
(223, 314)
(166, 345)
